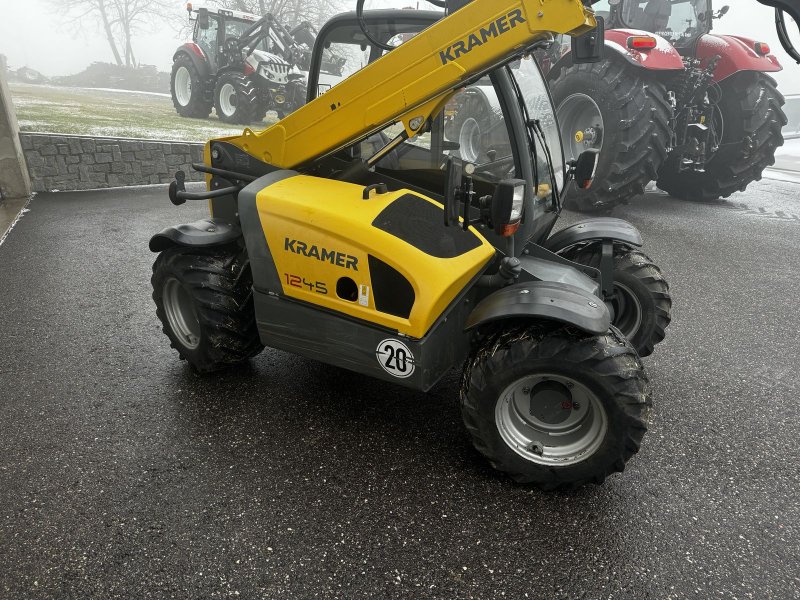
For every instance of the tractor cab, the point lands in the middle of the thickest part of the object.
(681, 22)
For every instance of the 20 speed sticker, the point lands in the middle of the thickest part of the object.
(395, 358)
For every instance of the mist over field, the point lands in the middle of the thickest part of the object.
(36, 34)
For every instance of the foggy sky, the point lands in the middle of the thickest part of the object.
(34, 34)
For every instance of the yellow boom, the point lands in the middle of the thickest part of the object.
(412, 83)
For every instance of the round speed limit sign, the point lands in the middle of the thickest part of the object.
(395, 358)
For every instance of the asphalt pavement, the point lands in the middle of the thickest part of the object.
(123, 475)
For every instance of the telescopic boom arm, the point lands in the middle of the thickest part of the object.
(411, 84)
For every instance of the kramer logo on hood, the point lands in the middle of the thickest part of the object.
(340, 259)
(481, 36)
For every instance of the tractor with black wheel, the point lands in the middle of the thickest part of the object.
(669, 102)
(241, 65)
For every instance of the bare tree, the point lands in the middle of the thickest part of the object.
(121, 20)
(290, 12)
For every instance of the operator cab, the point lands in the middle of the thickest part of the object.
(680, 22)
(484, 124)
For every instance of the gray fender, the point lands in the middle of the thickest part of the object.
(200, 234)
(543, 300)
(605, 228)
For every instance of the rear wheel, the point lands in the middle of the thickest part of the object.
(613, 108)
(554, 407)
(751, 117)
(204, 300)
(641, 305)
(189, 94)
(236, 100)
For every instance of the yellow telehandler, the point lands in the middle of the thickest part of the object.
(357, 233)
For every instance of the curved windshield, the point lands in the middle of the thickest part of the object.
(676, 21)
(544, 130)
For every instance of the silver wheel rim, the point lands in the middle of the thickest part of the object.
(581, 124)
(551, 419)
(181, 314)
(183, 86)
(627, 310)
(469, 139)
(227, 94)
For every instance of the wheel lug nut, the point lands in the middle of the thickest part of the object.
(536, 448)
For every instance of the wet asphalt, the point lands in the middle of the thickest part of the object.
(123, 475)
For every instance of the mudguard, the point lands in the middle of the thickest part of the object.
(200, 234)
(605, 228)
(195, 53)
(543, 300)
(737, 54)
(664, 57)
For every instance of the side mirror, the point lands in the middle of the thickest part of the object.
(453, 192)
(202, 18)
(507, 205)
(590, 47)
(585, 167)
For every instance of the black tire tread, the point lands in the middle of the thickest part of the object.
(641, 267)
(220, 283)
(743, 161)
(250, 106)
(643, 134)
(201, 103)
(608, 356)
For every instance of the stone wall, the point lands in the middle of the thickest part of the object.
(73, 162)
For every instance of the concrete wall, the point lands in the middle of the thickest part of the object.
(14, 182)
(72, 162)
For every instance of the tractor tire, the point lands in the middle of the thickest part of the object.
(553, 407)
(237, 100)
(752, 117)
(642, 304)
(189, 94)
(204, 300)
(633, 133)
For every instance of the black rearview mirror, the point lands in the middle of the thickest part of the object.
(589, 47)
(202, 18)
(585, 168)
(452, 194)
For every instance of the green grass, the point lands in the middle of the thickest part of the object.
(92, 112)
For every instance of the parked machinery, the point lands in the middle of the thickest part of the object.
(243, 66)
(670, 102)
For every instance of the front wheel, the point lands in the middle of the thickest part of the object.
(237, 100)
(204, 301)
(554, 407)
(641, 304)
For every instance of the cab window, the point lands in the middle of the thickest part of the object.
(207, 38)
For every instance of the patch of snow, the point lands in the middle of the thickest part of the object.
(137, 92)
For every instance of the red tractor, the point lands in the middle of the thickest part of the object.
(671, 102)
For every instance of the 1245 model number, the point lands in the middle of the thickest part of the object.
(296, 281)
